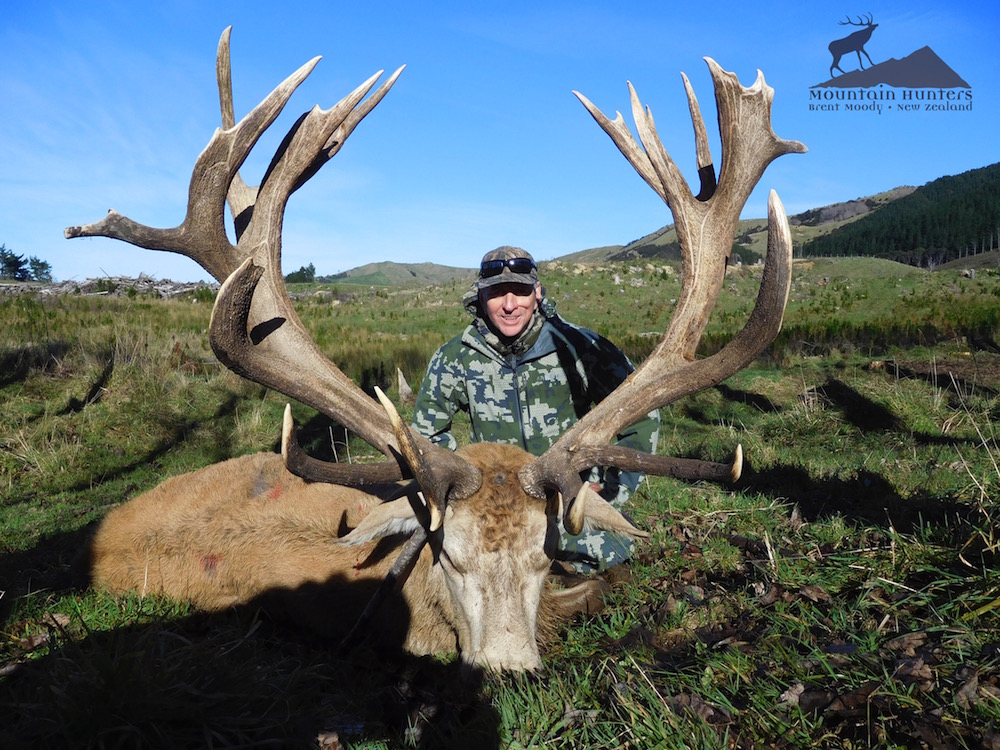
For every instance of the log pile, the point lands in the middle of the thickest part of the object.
(108, 285)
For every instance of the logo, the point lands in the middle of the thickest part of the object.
(853, 43)
(919, 81)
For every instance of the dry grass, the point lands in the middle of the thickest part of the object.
(842, 595)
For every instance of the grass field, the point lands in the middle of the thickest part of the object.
(842, 595)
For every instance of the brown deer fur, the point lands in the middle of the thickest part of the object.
(247, 531)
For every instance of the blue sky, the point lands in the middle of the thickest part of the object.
(480, 143)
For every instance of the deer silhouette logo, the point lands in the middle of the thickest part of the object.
(852, 43)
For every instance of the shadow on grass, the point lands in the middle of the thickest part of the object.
(95, 391)
(322, 438)
(245, 677)
(867, 497)
(235, 679)
(54, 564)
(755, 400)
(17, 364)
(860, 411)
(981, 373)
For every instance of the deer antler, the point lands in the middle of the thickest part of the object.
(705, 228)
(849, 22)
(255, 330)
(202, 234)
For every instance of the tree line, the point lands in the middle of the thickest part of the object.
(18, 268)
(946, 219)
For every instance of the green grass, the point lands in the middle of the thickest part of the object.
(842, 595)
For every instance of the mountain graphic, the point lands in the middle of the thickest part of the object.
(922, 69)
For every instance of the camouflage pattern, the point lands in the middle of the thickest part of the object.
(531, 395)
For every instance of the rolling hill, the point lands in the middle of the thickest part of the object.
(953, 218)
(387, 273)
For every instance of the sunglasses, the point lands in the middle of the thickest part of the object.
(491, 268)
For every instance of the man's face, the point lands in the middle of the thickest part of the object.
(509, 307)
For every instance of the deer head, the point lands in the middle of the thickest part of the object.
(256, 332)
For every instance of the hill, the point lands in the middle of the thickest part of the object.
(947, 219)
(950, 219)
(751, 233)
(388, 273)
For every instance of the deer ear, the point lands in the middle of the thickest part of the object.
(600, 515)
(395, 517)
(586, 597)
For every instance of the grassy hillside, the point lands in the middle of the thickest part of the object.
(843, 594)
(403, 274)
(750, 233)
(949, 217)
(944, 220)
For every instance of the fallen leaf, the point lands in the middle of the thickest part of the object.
(32, 642)
(907, 643)
(579, 716)
(56, 620)
(691, 550)
(815, 700)
(774, 594)
(916, 673)
(814, 593)
(689, 576)
(854, 703)
(796, 521)
(968, 695)
(694, 704)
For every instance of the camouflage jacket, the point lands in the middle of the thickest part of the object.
(532, 398)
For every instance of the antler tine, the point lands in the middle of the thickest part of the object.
(303, 465)
(663, 380)
(202, 235)
(278, 351)
(705, 229)
(358, 113)
(748, 140)
(703, 154)
(240, 195)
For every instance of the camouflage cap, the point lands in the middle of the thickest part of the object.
(507, 265)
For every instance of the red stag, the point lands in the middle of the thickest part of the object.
(477, 527)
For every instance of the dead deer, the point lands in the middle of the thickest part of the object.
(477, 527)
(854, 42)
